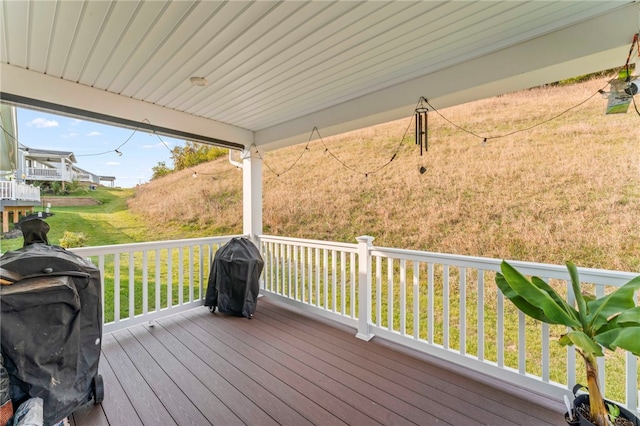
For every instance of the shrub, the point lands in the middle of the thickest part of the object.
(73, 239)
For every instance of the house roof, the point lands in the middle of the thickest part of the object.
(42, 153)
(84, 171)
(277, 69)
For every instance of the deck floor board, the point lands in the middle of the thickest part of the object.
(400, 368)
(284, 367)
(280, 365)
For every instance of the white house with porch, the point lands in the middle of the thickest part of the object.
(44, 165)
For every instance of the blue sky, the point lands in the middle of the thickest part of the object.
(94, 145)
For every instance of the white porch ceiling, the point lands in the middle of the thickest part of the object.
(276, 69)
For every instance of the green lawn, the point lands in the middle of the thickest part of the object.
(107, 223)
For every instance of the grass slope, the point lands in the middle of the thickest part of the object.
(568, 189)
(107, 223)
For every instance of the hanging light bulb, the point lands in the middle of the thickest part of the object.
(194, 175)
(118, 153)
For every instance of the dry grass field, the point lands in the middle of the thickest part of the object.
(568, 189)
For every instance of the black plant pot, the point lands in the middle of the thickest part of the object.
(574, 422)
(584, 399)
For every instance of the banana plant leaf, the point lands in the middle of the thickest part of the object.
(582, 341)
(626, 338)
(531, 298)
(526, 307)
(630, 317)
(622, 299)
(542, 285)
(577, 292)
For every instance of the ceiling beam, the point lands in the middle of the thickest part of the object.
(590, 46)
(34, 90)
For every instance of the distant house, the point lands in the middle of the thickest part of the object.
(110, 179)
(22, 168)
(82, 175)
(45, 165)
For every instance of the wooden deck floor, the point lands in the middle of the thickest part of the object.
(282, 367)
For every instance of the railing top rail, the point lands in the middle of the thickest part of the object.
(150, 245)
(587, 275)
(331, 245)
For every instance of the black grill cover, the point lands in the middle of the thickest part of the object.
(51, 328)
(234, 279)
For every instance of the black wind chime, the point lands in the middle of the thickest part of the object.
(422, 119)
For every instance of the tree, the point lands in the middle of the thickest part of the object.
(187, 156)
(193, 154)
(160, 170)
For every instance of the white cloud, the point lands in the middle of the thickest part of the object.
(112, 163)
(94, 133)
(75, 122)
(69, 135)
(41, 123)
(157, 145)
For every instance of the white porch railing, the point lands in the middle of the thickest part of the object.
(12, 190)
(145, 281)
(444, 305)
(85, 177)
(48, 174)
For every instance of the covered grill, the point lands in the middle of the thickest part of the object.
(234, 281)
(51, 325)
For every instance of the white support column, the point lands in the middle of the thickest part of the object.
(364, 287)
(251, 194)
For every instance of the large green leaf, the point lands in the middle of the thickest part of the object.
(526, 307)
(542, 285)
(630, 317)
(626, 338)
(577, 292)
(584, 342)
(602, 309)
(540, 298)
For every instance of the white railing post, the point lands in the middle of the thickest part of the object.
(364, 288)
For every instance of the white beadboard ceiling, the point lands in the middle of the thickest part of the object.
(276, 69)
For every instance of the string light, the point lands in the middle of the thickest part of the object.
(421, 135)
(421, 125)
(152, 132)
(599, 91)
(486, 138)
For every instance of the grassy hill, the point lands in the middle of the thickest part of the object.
(109, 222)
(567, 189)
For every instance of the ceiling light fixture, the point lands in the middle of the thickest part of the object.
(198, 81)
